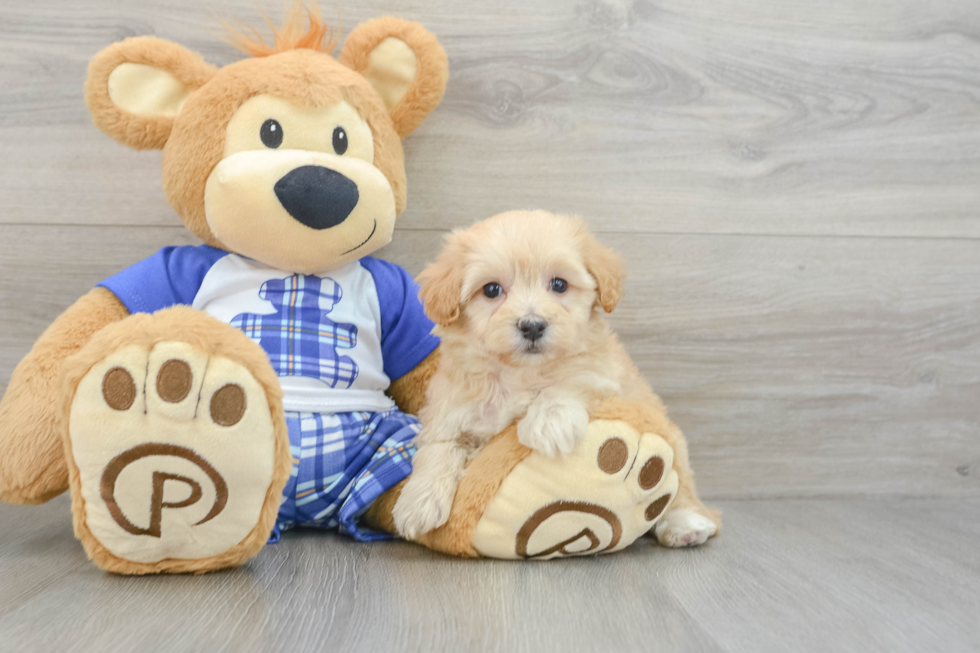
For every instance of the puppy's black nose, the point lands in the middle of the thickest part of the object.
(318, 197)
(532, 329)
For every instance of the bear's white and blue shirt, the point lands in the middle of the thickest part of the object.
(337, 340)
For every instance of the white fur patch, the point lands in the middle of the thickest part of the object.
(553, 426)
(684, 527)
(424, 505)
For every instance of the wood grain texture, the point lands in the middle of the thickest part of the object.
(811, 323)
(795, 187)
(896, 575)
(797, 366)
(679, 116)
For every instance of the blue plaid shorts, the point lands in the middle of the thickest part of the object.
(342, 462)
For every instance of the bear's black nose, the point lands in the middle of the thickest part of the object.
(318, 197)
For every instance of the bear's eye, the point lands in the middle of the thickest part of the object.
(559, 285)
(492, 290)
(339, 140)
(271, 133)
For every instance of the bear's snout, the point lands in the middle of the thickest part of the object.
(316, 196)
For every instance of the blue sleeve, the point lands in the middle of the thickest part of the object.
(170, 277)
(406, 333)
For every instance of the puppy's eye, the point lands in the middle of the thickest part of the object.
(492, 290)
(339, 140)
(559, 285)
(271, 133)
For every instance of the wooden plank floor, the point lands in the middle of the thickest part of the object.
(890, 575)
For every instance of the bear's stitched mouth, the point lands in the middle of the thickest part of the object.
(246, 216)
(364, 242)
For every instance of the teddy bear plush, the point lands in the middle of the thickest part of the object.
(208, 396)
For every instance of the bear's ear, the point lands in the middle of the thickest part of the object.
(136, 87)
(405, 64)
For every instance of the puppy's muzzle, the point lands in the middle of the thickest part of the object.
(317, 196)
(532, 329)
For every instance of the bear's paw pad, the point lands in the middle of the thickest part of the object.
(174, 452)
(612, 489)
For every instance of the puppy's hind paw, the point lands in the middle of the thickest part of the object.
(553, 427)
(421, 508)
(684, 527)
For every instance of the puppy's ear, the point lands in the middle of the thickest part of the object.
(405, 64)
(442, 284)
(608, 270)
(136, 87)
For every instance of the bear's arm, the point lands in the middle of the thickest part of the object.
(409, 390)
(32, 464)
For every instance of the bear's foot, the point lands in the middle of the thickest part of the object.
(177, 452)
(609, 491)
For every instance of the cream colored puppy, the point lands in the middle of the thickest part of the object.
(518, 302)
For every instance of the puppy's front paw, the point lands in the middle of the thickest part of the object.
(553, 427)
(422, 507)
(684, 527)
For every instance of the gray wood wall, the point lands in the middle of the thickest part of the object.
(795, 185)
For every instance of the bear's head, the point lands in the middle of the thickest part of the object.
(290, 157)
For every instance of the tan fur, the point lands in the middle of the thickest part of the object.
(608, 270)
(297, 68)
(140, 132)
(214, 338)
(643, 399)
(433, 70)
(442, 282)
(304, 77)
(476, 489)
(31, 470)
(489, 374)
(646, 412)
(486, 473)
(485, 380)
(32, 466)
(190, 127)
(523, 251)
(409, 391)
(297, 71)
(479, 485)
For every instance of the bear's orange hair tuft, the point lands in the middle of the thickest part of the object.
(288, 37)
